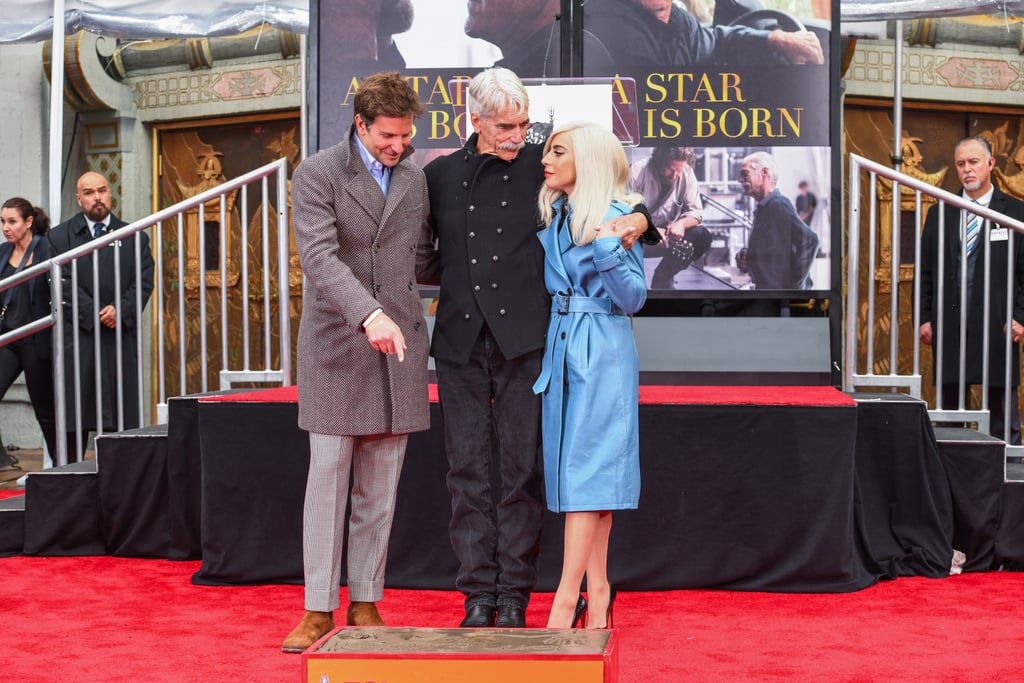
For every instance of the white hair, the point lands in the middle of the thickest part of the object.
(494, 90)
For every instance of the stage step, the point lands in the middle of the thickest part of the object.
(62, 511)
(457, 655)
(133, 492)
(114, 504)
(974, 468)
(139, 496)
(184, 477)
(12, 525)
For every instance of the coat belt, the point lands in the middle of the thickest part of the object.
(563, 304)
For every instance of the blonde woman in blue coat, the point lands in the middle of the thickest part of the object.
(590, 376)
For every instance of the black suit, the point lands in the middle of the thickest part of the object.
(947, 294)
(73, 233)
(484, 213)
(487, 344)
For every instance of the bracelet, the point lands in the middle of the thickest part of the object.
(370, 318)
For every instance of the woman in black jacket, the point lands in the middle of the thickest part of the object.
(24, 229)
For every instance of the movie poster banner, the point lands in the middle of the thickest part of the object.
(724, 110)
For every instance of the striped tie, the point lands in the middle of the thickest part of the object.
(973, 225)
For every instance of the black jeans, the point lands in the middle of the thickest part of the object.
(491, 415)
(23, 356)
(679, 259)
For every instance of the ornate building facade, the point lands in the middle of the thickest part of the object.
(961, 77)
(163, 120)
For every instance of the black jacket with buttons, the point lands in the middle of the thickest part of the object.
(483, 212)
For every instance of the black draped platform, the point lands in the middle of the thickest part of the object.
(904, 506)
(748, 488)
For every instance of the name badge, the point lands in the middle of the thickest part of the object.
(998, 234)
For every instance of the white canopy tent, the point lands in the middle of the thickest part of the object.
(29, 21)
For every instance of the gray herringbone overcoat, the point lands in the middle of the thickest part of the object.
(358, 252)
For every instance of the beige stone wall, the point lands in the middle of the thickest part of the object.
(961, 74)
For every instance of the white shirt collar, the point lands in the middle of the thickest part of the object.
(984, 199)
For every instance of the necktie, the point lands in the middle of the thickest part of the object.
(973, 228)
(98, 229)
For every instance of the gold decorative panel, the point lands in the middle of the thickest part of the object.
(193, 159)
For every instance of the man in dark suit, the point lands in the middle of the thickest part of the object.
(488, 344)
(362, 349)
(116, 308)
(781, 248)
(962, 235)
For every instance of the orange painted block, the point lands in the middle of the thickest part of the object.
(453, 655)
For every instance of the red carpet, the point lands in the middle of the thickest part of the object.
(11, 493)
(110, 620)
(653, 394)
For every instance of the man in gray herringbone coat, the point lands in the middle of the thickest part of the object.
(362, 350)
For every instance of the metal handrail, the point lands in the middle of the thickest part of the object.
(858, 166)
(57, 264)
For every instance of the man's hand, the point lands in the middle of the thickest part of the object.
(925, 333)
(384, 335)
(1017, 331)
(677, 228)
(798, 47)
(108, 316)
(628, 228)
(741, 260)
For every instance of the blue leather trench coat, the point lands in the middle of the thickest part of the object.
(590, 377)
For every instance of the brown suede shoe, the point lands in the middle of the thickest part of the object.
(363, 614)
(313, 627)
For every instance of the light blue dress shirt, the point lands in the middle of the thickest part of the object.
(380, 172)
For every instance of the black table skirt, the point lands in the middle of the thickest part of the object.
(738, 497)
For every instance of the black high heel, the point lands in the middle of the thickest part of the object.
(579, 613)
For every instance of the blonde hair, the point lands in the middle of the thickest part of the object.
(602, 172)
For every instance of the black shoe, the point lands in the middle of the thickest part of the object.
(511, 616)
(478, 616)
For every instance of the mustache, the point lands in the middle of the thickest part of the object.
(512, 146)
